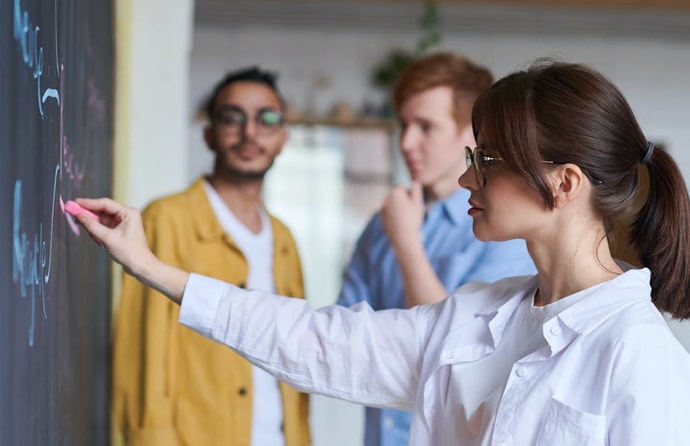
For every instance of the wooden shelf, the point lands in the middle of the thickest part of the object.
(357, 123)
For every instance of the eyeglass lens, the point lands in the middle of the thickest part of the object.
(474, 161)
(266, 119)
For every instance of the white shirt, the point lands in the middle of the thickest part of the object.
(611, 373)
(267, 404)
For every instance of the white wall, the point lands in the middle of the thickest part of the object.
(153, 46)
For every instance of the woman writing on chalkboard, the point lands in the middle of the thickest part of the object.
(576, 355)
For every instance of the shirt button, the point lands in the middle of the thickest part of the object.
(242, 391)
(520, 372)
(555, 330)
(388, 422)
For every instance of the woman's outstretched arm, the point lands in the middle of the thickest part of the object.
(120, 230)
(357, 354)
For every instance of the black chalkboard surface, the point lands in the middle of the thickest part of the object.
(56, 95)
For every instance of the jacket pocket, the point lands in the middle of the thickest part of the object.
(566, 426)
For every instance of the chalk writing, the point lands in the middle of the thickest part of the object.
(56, 81)
(71, 166)
(26, 34)
(32, 253)
(32, 256)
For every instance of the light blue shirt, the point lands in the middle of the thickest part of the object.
(457, 258)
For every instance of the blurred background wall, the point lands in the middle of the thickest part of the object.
(338, 164)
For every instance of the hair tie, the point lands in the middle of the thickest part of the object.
(648, 155)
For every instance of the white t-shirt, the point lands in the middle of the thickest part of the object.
(267, 405)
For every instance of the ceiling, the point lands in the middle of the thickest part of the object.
(656, 19)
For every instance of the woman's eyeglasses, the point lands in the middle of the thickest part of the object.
(233, 119)
(479, 160)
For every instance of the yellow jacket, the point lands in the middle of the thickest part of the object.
(171, 386)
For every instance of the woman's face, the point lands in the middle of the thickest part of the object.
(506, 207)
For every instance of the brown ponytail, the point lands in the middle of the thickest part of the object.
(661, 234)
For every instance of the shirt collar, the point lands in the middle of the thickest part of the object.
(629, 288)
(206, 224)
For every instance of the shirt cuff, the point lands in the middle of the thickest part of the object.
(200, 301)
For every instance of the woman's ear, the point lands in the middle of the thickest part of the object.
(567, 183)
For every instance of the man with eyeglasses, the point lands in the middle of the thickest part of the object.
(171, 386)
(420, 246)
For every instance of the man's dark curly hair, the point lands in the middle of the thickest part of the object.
(249, 74)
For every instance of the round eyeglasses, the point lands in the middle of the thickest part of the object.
(233, 119)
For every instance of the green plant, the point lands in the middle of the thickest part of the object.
(386, 73)
(428, 22)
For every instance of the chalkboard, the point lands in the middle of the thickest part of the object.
(56, 95)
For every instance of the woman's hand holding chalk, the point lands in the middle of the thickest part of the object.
(74, 209)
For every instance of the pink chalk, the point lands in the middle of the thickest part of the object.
(74, 209)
